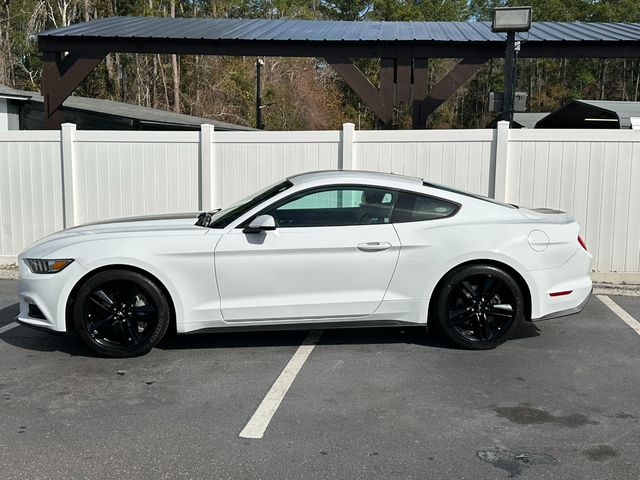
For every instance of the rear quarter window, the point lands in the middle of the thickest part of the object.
(418, 208)
(468, 194)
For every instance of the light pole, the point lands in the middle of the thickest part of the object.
(259, 65)
(510, 20)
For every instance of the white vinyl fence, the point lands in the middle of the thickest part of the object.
(50, 180)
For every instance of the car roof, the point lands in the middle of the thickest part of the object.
(355, 176)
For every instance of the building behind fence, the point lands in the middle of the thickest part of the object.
(50, 180)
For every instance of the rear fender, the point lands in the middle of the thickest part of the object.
(491, 258)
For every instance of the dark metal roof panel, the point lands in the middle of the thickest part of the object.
(623, 110)
(575, 113)
(286, 31)
(337, 31)
(255, 29)
(480, 30)
(370, 30)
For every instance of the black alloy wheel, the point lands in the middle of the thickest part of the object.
(119, 313)
(479, 306)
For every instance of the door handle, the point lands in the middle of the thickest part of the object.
(374, 246)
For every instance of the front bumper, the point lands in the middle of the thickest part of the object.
(48, 293)
(40, 329)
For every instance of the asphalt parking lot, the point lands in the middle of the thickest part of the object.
(559, 401)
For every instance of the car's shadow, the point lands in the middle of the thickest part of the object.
(340, 336)
(29, 339)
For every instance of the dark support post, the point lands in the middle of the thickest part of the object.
(419, 92)
(403, 79)
(50, 74)
(509, 78)
(387, 89)
(60, 76)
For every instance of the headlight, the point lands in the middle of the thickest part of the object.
(38, 265)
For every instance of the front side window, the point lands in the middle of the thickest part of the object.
(335, 206)
(224, 217)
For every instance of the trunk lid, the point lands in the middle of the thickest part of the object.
(547, 215)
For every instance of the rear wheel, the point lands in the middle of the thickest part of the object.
(479, 306)
(119, 313)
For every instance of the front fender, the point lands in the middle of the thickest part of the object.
(135, 263)
(182, 264)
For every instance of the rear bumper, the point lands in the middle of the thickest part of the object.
(563, 290)
(568, 311)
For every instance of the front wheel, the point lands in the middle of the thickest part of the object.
(119, 313)
(479, 306)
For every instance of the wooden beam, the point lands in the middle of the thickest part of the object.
(50, 74)
(361, 85)
(403, 79)
(60, 77)
(419, 91)
(357, 49)
(451, 82)
(387, 89)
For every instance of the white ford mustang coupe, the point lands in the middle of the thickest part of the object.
(336, 248)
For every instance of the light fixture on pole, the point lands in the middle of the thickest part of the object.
(510, 20)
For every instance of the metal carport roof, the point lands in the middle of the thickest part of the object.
(295, 37)
(403, 47)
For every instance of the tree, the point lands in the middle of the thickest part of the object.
(344, 9)
(306, 93)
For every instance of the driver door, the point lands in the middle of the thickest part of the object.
(331, 256)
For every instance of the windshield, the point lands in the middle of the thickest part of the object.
(222, 218)
(462, 192)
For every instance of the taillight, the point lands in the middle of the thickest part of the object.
(582, 244)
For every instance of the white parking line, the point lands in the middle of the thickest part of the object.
(262, 416)
(11, 326)
(620, 312)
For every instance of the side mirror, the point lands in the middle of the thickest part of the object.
(261, 224)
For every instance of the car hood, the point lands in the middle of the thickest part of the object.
(170, 224)
(172, 221)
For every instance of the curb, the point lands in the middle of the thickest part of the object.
(623, 289)
(9, 272)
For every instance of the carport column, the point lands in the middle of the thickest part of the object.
(67, 152)
(210, 192)
(347, 160)
(500, 170)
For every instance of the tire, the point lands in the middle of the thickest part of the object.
(479, 307)
(120, 313)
